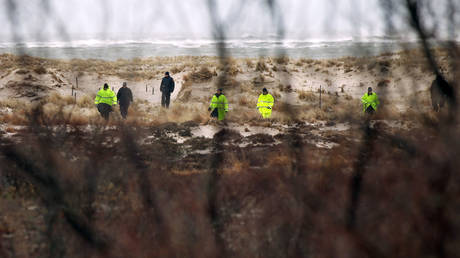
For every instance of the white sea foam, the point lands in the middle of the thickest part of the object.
(192, 43)
(113, 49)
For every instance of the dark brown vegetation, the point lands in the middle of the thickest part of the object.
(201, 75)
(116, 193)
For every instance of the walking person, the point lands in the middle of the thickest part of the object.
(219, 105)
(370, 102)
(125, 97)
(166, 88)
(104, 101)
(265, 103)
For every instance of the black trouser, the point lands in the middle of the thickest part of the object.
(105, 110)
(165, 97)
(370, 110)
(124, 110)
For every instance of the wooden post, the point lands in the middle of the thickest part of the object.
(146, 90)
(320, 91)
(71, 92)
(76, 81)
(153, 90)
(75, 97)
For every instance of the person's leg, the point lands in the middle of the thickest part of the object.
(106, 115)
(266, 114)
(221, 114)
(124, 111)
(103, 110)
(100, 109)
(370, 110)
(163, 99)
(121, 111)
(168, 97)
(108, 109)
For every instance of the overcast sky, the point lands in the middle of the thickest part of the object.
(160, 19)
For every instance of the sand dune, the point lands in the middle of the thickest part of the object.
(401, 79)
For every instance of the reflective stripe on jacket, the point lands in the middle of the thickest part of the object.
(219, 102)
(106, 96)
(265, 101)
(370, 100)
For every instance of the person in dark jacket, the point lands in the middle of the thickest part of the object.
(125, 97)
(166, 88)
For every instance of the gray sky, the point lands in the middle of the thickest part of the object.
(159, 19)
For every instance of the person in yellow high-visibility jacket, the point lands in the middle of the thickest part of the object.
(104, 100)
(265, 103)
(219, 105)
(370, 101)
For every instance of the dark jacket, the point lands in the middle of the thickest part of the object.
(167, 84)
(124, 96)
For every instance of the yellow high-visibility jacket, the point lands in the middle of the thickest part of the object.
(221, 104)
(106, 96)
(265, 104)
(370, 100)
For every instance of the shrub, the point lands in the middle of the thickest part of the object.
(307, 95)
(22, 71)
(282, 60)
(85, 101)
(243, 101)
(276, 94)
(40, 70)
(249, 63)
(176, 69)
(383, 83)
(258, 80)
(202, 75)
(261, 66)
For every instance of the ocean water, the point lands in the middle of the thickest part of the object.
(128, 49)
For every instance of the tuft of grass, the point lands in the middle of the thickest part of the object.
(282, 60)
(383, 83)
(22, 71)
(40, 70)
(185, 96)
(258, 80)
(229, 66)
(85, 101)
(177, 69)
(277, 160)
(276, 95)
(246, 102)
(331, 64)
(12, 103)
(249, 63)
(227, 82)
(307, 95)
(59, 100)
(261, 66)
(202, 75)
